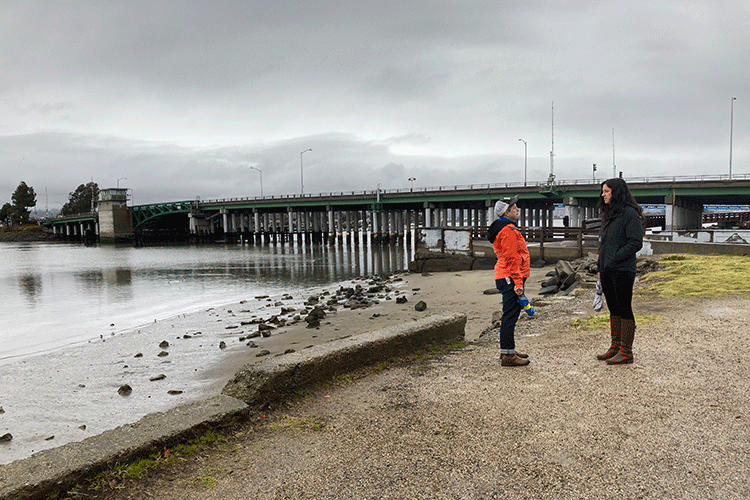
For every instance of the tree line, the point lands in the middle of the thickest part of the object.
(84, 199)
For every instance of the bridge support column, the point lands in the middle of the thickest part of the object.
(331, 226)
(573, 212)
(427, 215)
(522, 216)
(264, 229)
(257, 227)
(339, 229)
(682, 213)
(245, 227)
(193, 227)
(224, 220)
(275, 228)
(347, 227)
(375, 224)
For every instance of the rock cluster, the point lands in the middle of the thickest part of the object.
(315, 308)
(569, 275)
(360, 296)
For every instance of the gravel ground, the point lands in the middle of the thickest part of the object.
(672, 425)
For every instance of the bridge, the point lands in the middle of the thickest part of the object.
(389, 213)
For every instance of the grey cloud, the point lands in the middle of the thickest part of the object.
(181, 96)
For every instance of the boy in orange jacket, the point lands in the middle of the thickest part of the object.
(511, 271)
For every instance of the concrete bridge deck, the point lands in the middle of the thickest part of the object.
(389, 213)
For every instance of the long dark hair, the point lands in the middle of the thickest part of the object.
(621, 198)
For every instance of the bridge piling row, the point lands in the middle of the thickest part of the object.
(385, 215)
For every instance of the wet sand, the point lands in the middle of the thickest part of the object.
(71, 393)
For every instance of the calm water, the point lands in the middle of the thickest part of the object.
(57, 294)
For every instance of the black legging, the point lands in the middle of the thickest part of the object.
(618, 291)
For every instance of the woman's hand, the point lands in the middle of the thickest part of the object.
(519, 290)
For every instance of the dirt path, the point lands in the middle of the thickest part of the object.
(672, 425)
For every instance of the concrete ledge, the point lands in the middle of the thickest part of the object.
(61, 468)
(275, 379)
(699, 248)
(257, 385)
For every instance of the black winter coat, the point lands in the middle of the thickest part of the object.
(620, 239)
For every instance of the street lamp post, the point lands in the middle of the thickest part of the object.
(261, 180)
(525, 157)
(731, 133)
(301, 175)
(412, 179)
(121, 179)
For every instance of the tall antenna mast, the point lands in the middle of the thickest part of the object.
(552, 152)
(614, 168)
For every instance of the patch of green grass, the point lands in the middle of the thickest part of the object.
(700, 276)
(119, 472)
(140, 467)
(297, 424)
(601, 320)
(444, 348)
(207, 480)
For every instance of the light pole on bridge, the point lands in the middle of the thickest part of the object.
(525, 156)
(731, 133)
(301, 174)
(412, 179)
(121, 179)
(261, 180)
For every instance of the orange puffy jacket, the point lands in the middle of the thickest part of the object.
(511, 251)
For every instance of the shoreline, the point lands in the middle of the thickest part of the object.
(85, 377)
(80, 382)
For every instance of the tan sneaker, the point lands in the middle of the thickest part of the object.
(512, 360)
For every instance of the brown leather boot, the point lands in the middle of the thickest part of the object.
(626, 344)
(512, 360)
(615, 327)
(522, 354)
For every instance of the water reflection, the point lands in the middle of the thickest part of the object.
(74, 292)
(31, 285)
(91, 279)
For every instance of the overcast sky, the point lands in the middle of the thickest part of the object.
(178, 99)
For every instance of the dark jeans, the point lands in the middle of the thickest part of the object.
(618, 292)
(511, 311)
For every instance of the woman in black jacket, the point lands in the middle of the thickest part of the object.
(621, 238)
